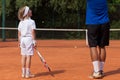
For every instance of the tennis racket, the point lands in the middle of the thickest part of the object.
(43, 60)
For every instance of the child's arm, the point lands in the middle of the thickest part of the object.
(19, 34)
(34, 37)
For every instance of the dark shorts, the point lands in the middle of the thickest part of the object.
(98, 35)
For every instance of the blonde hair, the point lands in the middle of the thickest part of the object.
(21, 13)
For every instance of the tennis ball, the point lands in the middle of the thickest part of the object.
(75, 46)
(42, 21)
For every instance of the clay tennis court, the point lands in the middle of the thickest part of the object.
(68, 59)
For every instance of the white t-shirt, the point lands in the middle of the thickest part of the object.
(26, 26)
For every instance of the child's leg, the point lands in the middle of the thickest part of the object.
(23, 61)
(29, 53)
(28, 65)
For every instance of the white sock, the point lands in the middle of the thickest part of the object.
(96, 66)
(27, 71)
(23, 70)
(101, 65)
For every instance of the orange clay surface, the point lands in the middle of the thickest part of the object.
(68, 59)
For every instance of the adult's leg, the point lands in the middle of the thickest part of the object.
(94, 58)
(102, 56)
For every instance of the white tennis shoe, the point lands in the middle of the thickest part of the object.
(96, 75)
(29, 75)
(23, 75)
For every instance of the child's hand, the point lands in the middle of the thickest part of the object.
(34, 44)
(18, 44)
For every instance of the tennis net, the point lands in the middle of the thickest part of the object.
(48, 33)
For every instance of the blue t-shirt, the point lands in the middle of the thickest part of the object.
(97, 12)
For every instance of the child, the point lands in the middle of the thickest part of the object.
(26, 37)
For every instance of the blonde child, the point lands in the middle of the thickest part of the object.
(26, 37)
